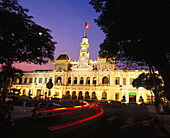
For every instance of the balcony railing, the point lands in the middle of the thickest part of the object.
(87, 85)
(61, 84)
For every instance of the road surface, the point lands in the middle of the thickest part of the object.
(117, 120)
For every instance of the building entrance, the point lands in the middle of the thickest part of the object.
(38, 92)
(132, 97)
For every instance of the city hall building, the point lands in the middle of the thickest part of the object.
(98, 80)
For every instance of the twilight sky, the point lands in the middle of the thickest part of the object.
(66, 19)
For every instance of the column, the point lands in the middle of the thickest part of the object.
(43, 80)
(78, 79)
(72, 79)
(64, 79)
(110, 80)
(99, 79)
(32, 92)
(84, 79)
(42, 91)
(121, 77)
(53, 79)
(37, 79)
(143, 96)
(91, 80)
(120, 96)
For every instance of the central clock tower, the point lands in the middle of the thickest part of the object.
(84, 53)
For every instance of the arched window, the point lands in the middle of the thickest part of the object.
(104, 96)
(88, 80)
(117, 80)
(25, 80)
(38, 92)
(93, 95)
(29, 93)
(94, 81)
(23, 92)
(30, 80)
(69, 80)
(105, 80)
(74, 95)
(87, 96)
(81, 80)
(67, 95)
(58, 80)
(75, 80)
(14, 80)
(117, 96)
(20, 80)
(80, 96)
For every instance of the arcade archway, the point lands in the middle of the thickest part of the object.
(104, 96)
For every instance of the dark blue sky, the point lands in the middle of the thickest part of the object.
(66, 19)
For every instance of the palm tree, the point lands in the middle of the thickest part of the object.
(8, 73)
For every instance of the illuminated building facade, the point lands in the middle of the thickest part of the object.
(83, 79)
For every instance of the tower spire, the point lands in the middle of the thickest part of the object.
(84, 43)
(83, 61)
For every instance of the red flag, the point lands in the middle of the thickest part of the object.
(87, 26)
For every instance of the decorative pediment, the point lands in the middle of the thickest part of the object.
(82, 67)
(59, 69)
(104, 69)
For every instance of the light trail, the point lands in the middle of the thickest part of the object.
(58, 114)
(62, 109)
(76, 122)
(140, 122)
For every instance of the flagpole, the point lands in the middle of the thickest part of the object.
(85, 34)
(87, 28)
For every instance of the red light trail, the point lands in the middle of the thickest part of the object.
(58, 114)
(76, 122)
(62, 109)
(153, 118)
(43, 113)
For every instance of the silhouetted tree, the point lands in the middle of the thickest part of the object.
(154, 84)
(8, 74)
(123, 99)
(136, 31)
(21, 39)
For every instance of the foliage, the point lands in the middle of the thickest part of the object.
(133, 28)
(136, 31)
(141, 99)
(21, 39)
(145, 80)
(8, 72)
(123, 99)
(149, 82)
